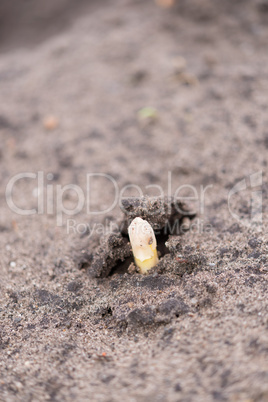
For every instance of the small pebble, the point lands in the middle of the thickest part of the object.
(50, 123)
(165, 3)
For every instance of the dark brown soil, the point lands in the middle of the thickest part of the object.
(75, 78)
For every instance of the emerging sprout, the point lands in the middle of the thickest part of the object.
(143, 244)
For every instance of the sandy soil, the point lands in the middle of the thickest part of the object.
(73, 80)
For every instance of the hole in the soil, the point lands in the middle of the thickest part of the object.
(122, 266)
(85, 261)
(84, 265)
(161, 239)
(107, 312)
